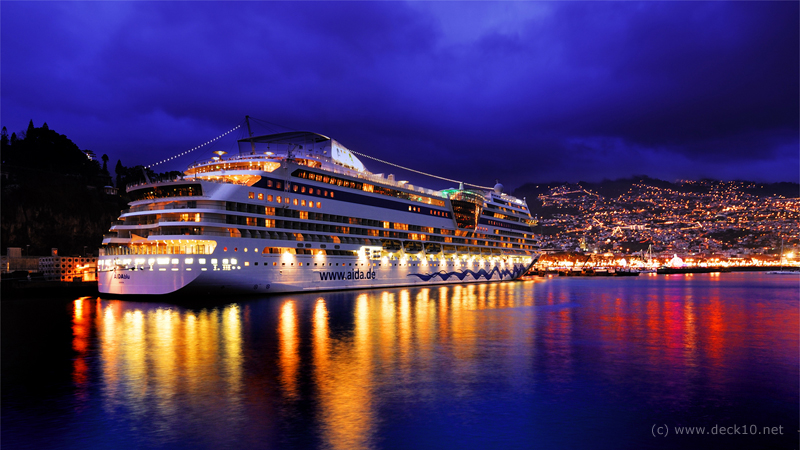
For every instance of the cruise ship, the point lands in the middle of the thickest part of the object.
(297, 211)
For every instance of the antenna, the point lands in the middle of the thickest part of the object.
(250, 133)
(145, 175)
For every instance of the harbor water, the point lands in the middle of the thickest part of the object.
(547, 363)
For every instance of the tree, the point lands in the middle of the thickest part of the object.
(105, 163)
(31, 131)
(4, 138)
(121, 171)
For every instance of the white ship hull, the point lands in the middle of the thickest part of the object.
(255, 273)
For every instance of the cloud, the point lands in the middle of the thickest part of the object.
(475, 91)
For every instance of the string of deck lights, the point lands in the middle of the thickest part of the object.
(195, 148)
(419, 172)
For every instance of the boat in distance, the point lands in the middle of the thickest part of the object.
(297, 211)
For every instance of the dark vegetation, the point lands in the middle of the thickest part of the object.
(53, 193)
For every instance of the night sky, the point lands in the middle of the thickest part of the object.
(522, 92)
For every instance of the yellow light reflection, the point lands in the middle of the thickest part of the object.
(288, 357)
(343, 373)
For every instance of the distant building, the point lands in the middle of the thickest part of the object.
(67, 268)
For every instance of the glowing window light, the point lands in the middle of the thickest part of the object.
(175, 261)
(189, 261)
(201, 261)
(162, 261)
(233, 261)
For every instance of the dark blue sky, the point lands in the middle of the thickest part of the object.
(473, 91)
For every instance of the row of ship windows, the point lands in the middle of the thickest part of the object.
(286, 200)
(271, 211)
(270, 198)
(473, 251)
(247, 263)
(232, 265)
(366, 187)
(243, 207)
(233, 261)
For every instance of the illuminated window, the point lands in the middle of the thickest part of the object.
(303, 189)
(294, 188)
(325, 193)
(250, 195)
(310, 204)
(331, 194)
(319, 204)
(295, 202)
(269, 183)
(236, 249)
(279, 199)
(224, 249)
(261, 196)
(302, 202)
(287, 200)
(247, 263)
(277, 184)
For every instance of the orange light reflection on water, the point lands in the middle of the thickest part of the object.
(288, 357)
(168, 364)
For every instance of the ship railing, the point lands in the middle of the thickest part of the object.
(191, 220)
(157, 207)
(154, 180)
(179, 233)
(375, 178)
(247, 156)
(380, 179)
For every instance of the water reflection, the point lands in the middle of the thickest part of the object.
(288, 357)
(331, 366)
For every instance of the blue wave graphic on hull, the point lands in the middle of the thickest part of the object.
(517, 271)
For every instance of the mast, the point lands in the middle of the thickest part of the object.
(250, 133)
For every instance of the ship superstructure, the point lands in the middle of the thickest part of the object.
(298, 211)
